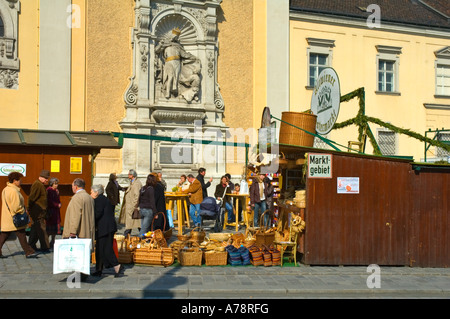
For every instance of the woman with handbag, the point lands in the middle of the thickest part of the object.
(13, 204)
(147, 205)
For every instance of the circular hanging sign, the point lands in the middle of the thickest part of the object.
(326, 99)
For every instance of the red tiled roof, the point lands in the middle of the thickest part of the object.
(422, 13)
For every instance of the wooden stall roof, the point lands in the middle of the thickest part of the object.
(27, 137)
(295, 151)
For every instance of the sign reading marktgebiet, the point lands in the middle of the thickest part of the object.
(326, 99)
(320, 165)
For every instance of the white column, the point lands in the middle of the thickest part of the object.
(278, 56)
(54, 64)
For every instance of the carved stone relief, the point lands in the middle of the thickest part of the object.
(174, 80)
(9, 61)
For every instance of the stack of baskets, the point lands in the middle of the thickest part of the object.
(300, 198)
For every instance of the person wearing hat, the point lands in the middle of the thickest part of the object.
(37, 207)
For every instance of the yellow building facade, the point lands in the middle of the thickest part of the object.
(356, 51)
(75, 59)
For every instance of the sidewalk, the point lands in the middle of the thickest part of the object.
(33, 278)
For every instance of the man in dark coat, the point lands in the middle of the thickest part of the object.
(37, 207)
(201, 178)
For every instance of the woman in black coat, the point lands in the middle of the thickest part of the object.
(105, 228)
(160, 203)
(112, 190)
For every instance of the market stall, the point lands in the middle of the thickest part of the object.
(67, 155)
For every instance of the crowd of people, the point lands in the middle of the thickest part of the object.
(93, 215)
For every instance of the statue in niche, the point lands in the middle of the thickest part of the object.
(180, 73)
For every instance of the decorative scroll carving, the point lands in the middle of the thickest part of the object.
(131, 93)
(9, 61)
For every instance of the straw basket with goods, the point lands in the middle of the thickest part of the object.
(167, 233)
(264, 235)
(294, 136)
(124, 255)
(190, 254)
(198, 235)
(153, 254)
(159, 238)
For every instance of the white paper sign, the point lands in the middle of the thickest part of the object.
(6, 168)
(348, 185)
(72, 255)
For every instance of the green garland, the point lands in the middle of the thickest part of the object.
(362, 121)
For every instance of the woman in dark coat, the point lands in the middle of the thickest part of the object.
(160, 203)
(53, 222)
(105, 228)
(112, 190)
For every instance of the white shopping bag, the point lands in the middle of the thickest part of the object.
(70, 255)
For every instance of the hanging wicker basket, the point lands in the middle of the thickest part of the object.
(294, 136)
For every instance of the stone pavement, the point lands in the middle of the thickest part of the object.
(33, 278)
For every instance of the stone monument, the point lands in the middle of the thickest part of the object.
(173, 91)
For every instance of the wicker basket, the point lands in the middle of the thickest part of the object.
(198, 234)
(215, 258)
(154, 256)
(176, 245)
(184, 237)
(265, 235)
(124, 255)
(167, 233)
(190, 254)
(292, 135)
(219, 236)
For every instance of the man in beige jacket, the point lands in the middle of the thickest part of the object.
(130, 201)
(79, 220)
(80, 215)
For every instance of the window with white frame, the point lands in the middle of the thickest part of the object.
(320, 56)
(442, 79)
(386, 82)
(442, 65)
(388, 61)
(387, 141)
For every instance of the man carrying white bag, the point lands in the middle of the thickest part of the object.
(73, 252)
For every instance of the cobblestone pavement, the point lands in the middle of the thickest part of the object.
(33, 278)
